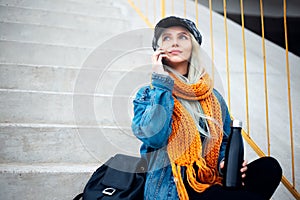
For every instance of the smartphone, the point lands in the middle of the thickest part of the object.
(163, 59)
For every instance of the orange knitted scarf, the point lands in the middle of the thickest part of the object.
(185, 146)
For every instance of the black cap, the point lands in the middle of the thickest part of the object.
(175, 21)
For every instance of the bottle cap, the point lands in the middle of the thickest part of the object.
(236, 123)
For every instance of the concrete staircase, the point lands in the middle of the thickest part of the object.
(62, 105)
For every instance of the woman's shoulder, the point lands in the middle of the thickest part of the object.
(225, 112)
(158, 81)
(219, 96)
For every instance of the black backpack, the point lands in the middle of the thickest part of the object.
(122, 177)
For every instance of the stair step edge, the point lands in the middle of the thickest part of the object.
(16, 168)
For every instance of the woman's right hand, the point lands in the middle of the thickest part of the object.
(157, 65)
(242, 170)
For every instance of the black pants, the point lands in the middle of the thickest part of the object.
(262, 178)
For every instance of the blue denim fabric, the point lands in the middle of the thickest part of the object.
(152, 124)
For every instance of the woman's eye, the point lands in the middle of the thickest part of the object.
(183, 37)
(166, 38)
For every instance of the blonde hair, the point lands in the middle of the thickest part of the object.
(196, 63)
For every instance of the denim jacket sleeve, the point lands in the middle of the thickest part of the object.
(153, 110)
(226, 125)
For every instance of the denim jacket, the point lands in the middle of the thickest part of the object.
(152, 124)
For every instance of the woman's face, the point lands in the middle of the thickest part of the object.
(177, 44)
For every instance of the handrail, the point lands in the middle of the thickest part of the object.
(140, 13)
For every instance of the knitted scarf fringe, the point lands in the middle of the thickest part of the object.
(184, 145)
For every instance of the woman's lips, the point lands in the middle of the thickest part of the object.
(175, 52)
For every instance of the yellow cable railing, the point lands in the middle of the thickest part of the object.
(291, 186)
(265, 73)
(197, 13)
(245, 67)
(226, 54)
(289, 92)
(211, 41)
(163, 8)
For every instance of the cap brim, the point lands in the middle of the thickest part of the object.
(169, 22)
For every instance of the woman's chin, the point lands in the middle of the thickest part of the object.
(174, 62)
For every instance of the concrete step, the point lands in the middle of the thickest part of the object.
(31, 53)
(67, 180)
(98, 2)
(92, 8)
(65, 108)
(32, 33)
(59, 143)
(47, 182)
(44, 34)
(43, 54)
(64, 80)
(40, 79)
(60, 19)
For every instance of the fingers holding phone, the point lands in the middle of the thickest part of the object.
(157, 61)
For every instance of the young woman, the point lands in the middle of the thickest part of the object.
(184, 124)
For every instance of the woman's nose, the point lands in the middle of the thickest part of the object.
(174, 43)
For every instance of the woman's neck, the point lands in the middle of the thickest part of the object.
(181, 68)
